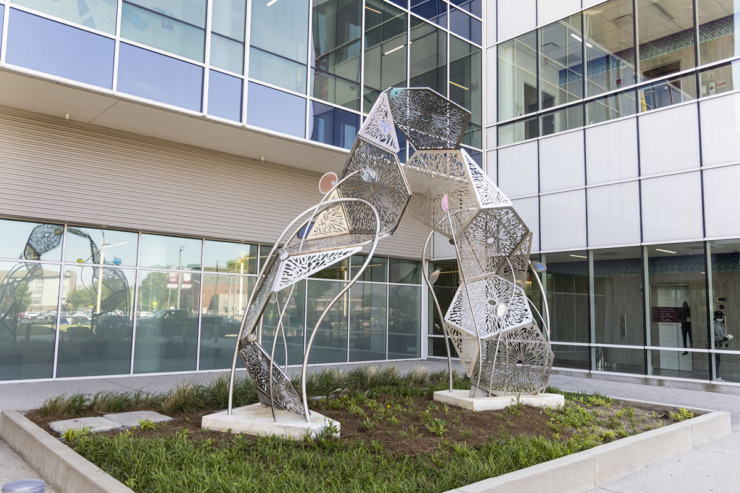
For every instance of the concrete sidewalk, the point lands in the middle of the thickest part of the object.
(711, 467)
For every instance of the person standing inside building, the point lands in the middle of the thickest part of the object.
(686, 326)
(720, 340)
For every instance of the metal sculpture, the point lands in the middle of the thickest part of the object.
(500, 337)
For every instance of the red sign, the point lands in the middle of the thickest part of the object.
(665, 314)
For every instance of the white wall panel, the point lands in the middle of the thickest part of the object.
(516, 17)
(669, 140)
(614, 215)
(553, 10)
(491, 166)
(442, 247)
(517, 169)
(74, 172)
(490, 87)
(490, 21)
(529, 211)
(563, 217)
(671, 208)
(561, 162)
(722, 201)
(491, 137)
(720, 130)
(591, 3)
(611, 152)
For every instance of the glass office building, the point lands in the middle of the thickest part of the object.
(182, 136)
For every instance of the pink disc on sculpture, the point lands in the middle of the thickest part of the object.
(445, 203)
(327, 182)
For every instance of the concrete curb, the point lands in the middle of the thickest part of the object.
(591, 468)
(63, 468)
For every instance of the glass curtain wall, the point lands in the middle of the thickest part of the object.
(386, 46)
(466, 86)
(725, 282)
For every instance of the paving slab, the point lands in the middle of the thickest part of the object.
(132, 419)
(461, 398)
(95, 424)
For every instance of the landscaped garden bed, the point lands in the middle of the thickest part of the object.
(394, 437)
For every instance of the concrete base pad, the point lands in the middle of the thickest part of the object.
(95, 424)
(256, 419)
(132, 419)
(461, 398)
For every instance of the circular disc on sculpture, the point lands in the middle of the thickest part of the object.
(327, 182)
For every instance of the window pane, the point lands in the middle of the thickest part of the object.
(666, 37)
(405, 271)
(566, 284)
(610, 46)
(562, 120)
(224, 301)
(36, 241)
(56, 49)
(404, 322)
(575, 357)
(721, 79)
(619, 360)
(28, 310)
(433, 10)
(725, 279)
(465, 86)
(227, 54)
(611, 107)
(618, 311)
(167, 340)
(190, 11)
(97, 322)
(667, 93)
(330, 343)
(101, 246)
(472, 6)
(163, 31)
(518, 131)
(385, 49)
(466, 26)
(517, 77)
(279, 38)
(228, 18)
(333, 126)
(95, 14)
(337, 44)
(225, 96)
(293, 324)
(367, 322)
(2, 14)
(337, 271)
(276, 110)
(428, 54)
(237, 258)
(161, 78)
(719, 21)
(375, 271)
(170, 252)
(561, 62)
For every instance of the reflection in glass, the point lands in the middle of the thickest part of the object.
(725, 255)
(719, 20)
(467, 27)
(109, 246)
(57, 49)
(668, 92)
(610, 46)
(518, 131)
(724, 78)
(465, 86)
(433, 10)
(367, 322)
(333, 126)
(562, 120)
(227, 54)
(276, 110)
(575, 357)
(678, 308)
(224, 299)
(28, 317)
(666, 37)
(278, 43)
(170, 252)
(385, 49)
(561, 62)
(338, 271)
(225, 96)
(160, 78)
(293, 325)
(167, 322)
(236, 258)
(611, 107)
(330, 343)
(404, 322)
(444, 290)
(375, 271)
(36, 241)
(405, 271)
(428, 56)
(95, 14)
(517, 77)
(475, 7)
(154, 23)
(618, 315)
(227, 34)
(566, 284)
(97, 321)
(619, 360)
(337, 45)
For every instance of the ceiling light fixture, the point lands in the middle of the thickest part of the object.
(270, 3)
(579, 256)
(373, 10)
(665, 251)
(458, 85)
(394, 49)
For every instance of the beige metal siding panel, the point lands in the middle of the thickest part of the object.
(72, 172)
